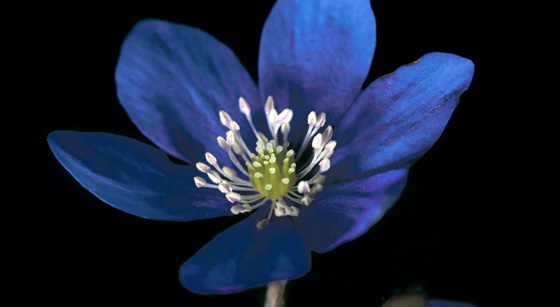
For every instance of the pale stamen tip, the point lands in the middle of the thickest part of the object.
(203, 167)
(303, 187)
(244, 106)
(200, 182)
(262, 224)
(312, 118)
(233, 197)
(210, 158)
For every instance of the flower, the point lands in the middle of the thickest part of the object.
(183, 88)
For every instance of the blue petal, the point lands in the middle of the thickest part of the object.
(243, 257)
(442, 303)
(134, 177)
(315, 55)
(173, 80)
(400, 116)
(345, 211)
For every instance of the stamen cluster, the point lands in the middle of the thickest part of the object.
(272, 174)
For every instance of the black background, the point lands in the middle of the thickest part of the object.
(471, 223)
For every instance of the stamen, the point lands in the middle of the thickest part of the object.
(317, 141)
(303, 187)
(233, 197)
(214, 177)
(211, 159)
(245, 108)
(285, 129)
(200, 182)
(203, 167)
(324, 165)
(321, 119)
(225, 119)
(312, 118)
(224, 187)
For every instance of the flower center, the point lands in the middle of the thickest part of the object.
(274, 173)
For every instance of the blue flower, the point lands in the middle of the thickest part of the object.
(183, 88)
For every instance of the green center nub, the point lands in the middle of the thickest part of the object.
(273, 171)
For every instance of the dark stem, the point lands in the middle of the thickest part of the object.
(275, 294)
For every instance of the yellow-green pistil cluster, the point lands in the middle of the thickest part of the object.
(272, 171)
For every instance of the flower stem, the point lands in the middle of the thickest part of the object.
(275, 294)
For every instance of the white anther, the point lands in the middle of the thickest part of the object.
(225, 119)
(262, 224)
(236, 209)
(321, 119)
(273, 159)
(223, 143)
(266, 162)
(268, 187)
(244, 106)
(200, 182)
(257, 164)
(203, 167)
(312, 118)
(272, 116)
(269, 105)
(211, 159)
(234, 126)
(230, 138)
(303, 187)
(324, 165)
(224, 187)
(306, 200)
(272, 170)
(281, 209)
(279, 149)
(285, 128)
(327, 134)
(258, 175)
(317, 141)
(285, 180)
(233, 197)
(291, 170)
(214, 177)
(284, 117)
(318, 187)
(229, 171)
(237, 148)
(330, 146)
(290, 153)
